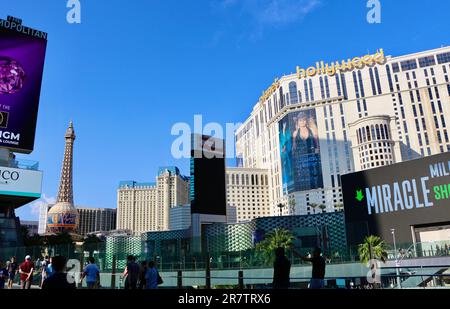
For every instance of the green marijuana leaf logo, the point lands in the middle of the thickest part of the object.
(359, 195)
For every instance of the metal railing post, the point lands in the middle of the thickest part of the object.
(241, 279)
(113, 273)
(180, 279)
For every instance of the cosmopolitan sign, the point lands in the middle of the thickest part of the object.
(399, 196)
(20, 182)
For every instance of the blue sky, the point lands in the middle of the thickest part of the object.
(132, 69)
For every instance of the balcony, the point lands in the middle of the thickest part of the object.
(20, 164)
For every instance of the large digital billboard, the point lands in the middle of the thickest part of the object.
(405, 196)
(22, 54)
(300, 152)
(208, 188)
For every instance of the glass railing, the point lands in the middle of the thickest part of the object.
(419, 250)
(20, 164)
(411, 278)
(171, 257)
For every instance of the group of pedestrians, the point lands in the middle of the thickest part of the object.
(10, 270)
(282, 269)
(145, 276)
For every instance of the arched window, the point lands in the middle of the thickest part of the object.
(387, 132)
(253, 180)
(246, 180)
(232, 179)
(256, 179)
(305, 84)
(358, 136)
(372, 129)
(383, 136)
(363, 135)
(237, 179)
(368, 133)
(378, 132)
(293, 92)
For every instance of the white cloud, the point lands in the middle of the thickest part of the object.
(279, 12)
(257, 15)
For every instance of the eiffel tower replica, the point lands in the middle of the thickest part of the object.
(63, 216)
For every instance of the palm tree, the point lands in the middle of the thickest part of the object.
(322, 207)
(372, 248)
(292, 205)
(313, 206)
(281, 206)
(275, 239)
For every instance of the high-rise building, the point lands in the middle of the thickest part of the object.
(63, 216)
(143, 207)
(96, 220)
(310, 128)
(248, 192)
(180, 218)
(43, 212)
(208, 188)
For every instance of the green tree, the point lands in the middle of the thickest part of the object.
(322, 207)
(92, 243)
(313, 206)
(30, 241)
(372, 248)
(275, 239)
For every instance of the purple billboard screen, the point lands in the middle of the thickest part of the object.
(22, 55)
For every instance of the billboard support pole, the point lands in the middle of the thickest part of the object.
(397, 271)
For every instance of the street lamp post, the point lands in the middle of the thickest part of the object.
(397, 271)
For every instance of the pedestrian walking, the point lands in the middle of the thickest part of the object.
(92, 274)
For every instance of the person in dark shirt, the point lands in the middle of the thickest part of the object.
(131, 273)
(3, 275)
(281, 270)
(142, 273)
(58, 280)
(12, 271)
(318, 268)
